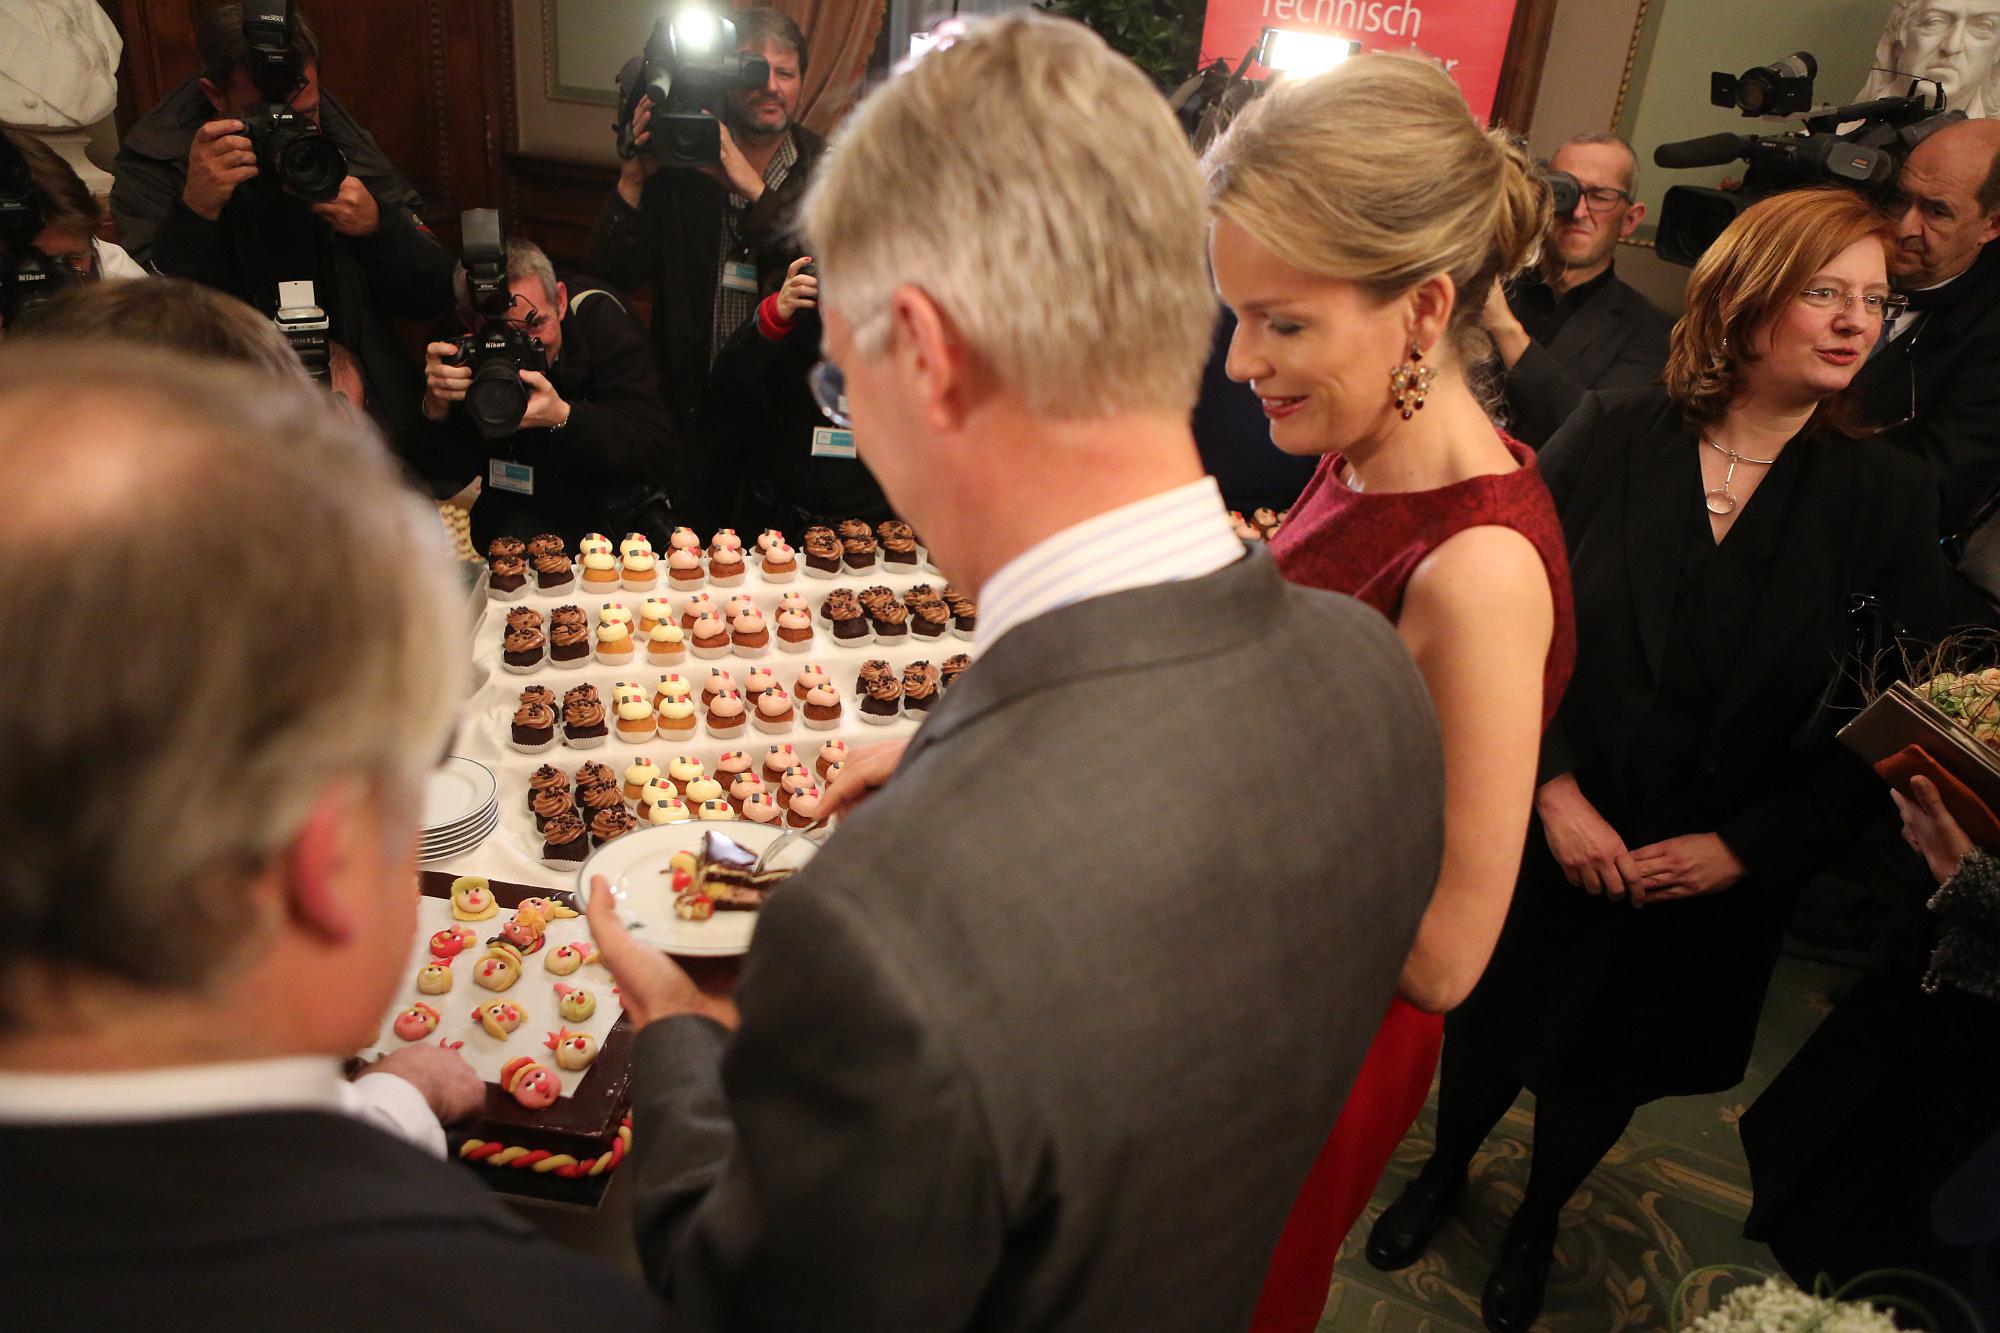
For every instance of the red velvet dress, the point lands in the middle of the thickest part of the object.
(1367, 545)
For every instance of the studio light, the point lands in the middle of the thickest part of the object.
(1299, 54)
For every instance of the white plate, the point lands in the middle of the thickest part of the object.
(482, 820)
(636, 865)
(456, 793)
(465, 842)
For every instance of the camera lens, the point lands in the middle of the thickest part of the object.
(311, 166)
(497, 399)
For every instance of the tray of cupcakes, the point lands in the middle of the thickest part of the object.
(544, 566)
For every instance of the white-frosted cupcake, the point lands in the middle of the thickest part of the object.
(683, 770)
(667, 811)
(614, 644)
(639, 570)
(672, 685)
(716, 810)
(675, 718)
(702, 790)
(635, 718)
(600, 571)
(665, 644)
(651, 612)
(638, 774)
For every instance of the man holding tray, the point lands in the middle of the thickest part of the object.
(224, 679)
(1049, 1034)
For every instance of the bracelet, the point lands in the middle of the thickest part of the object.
(565, 421)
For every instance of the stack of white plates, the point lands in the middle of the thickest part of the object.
(461, 806)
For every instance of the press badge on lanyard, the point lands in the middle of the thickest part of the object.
(740, 276)
(831, 443)
(502, 475)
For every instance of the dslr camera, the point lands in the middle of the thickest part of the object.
(689, 65)
(1866, 158)
(496, 350)
(292, 152)
(29, 279)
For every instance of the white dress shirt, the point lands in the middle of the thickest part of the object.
(292, 1083)
(1176, 535)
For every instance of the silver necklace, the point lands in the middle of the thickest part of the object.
(1722, 500)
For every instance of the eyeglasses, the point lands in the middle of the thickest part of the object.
(829, 388)
(1602, 198)
(529, 322)
(1877, 306)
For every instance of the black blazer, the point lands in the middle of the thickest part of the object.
(297, 1220)
(1616, 339)
(1622, 471)
(1952, 365)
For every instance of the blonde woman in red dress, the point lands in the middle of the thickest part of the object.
(1361, 217)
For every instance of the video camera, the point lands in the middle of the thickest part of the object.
(292, 152)
(689, 65)
(1867, 158)
(28, 278)
(496, 350)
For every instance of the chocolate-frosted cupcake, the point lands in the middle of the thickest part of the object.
(522, 649)
(594, 801)
(613, 823)
(569, 613)
(964, 612)
(550, 806)
(881, 697)
(583, 718)
(822, 550)
(857, 546)
(890, 621)
(594, 774)
(505, 546)
(523, 617)
(553, 572)
(930, 618)
(569, 642)
(546, 543)
(920, 686)
(546, 778)
(843, 610)
(534, 728)
(564, 841)
(899, 544)
(874, 597)
(954, 664)
(507, 578)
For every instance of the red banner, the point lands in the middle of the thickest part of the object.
(1469, 36)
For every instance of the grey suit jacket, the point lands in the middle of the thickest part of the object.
(1049, 1035)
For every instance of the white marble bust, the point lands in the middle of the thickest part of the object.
(58, 63)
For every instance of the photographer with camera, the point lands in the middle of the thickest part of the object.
(551, 399)
(1575, 326)
(1933, 383)
(711, 239)
(250, 175)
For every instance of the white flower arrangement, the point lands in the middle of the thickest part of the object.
(1766, 1304)
(1779, 1307)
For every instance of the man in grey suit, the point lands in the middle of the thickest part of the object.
(1050, 1033)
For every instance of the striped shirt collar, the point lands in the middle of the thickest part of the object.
(1179, 534)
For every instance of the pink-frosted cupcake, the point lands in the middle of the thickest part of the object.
(748, 633)
(719, 682)
(778, 758)
(683, 539)
(796, 779)
(684, 568)
(795, 630)
(725, 567)
(822, 707)
(666, 645)
(761, 809)
(811, 674)
(781, 564)
(759, 679)
(710, 636)
(725, 539)
(737, 604)
(768, 538)
(804, 809)
(732, 765)
(831, 753)
(698, 605)
(727, 715)
(744, 787)
(774, 711)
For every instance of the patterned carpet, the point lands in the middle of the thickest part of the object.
(1670, 1198)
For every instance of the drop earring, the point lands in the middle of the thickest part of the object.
(1410, 382)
